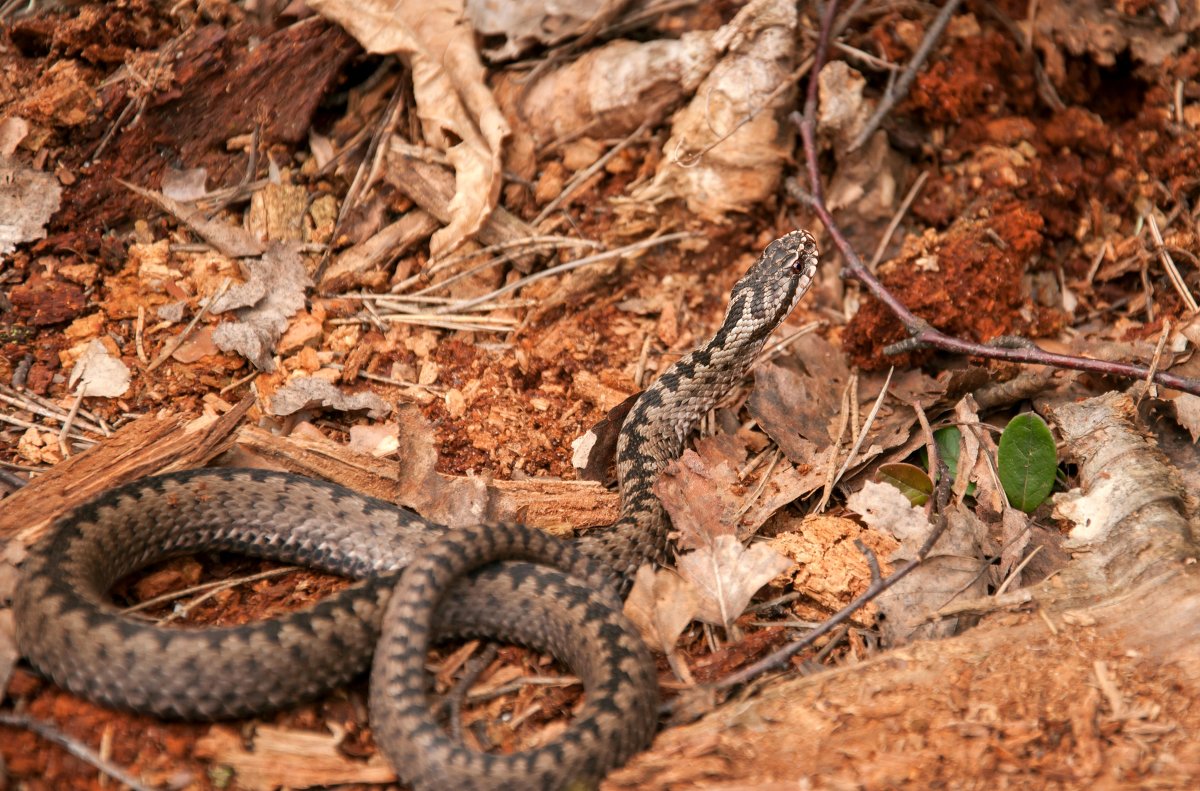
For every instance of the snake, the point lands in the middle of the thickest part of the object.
(415, 583)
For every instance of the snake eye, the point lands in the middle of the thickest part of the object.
(798, 266)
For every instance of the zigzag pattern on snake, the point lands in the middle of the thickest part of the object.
(419, 583)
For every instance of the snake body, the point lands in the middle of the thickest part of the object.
(418, 582)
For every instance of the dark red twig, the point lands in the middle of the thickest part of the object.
(923, 335)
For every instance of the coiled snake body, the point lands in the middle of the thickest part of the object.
(503, 581)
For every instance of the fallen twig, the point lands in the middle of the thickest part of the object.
(900, 88)
(75, 748)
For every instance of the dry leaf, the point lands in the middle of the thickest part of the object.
(728, 146)
(966, 414)
(311, 391)
(796, 404)
(523, 24)
(1103, 31)
(700, 499)
(28, 199)
(592, 454)
(842, 111)
(660, 605)
(457, 110)
(866, 177)
(99, 373)
(272, 294)
(1015, 535)
(726, 575)
(884, 508)
(612, 90)
(1187, 413)
(705, 498)
(951, 571)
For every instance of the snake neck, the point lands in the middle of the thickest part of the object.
(654, 433)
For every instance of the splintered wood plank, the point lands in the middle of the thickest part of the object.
(151, 444)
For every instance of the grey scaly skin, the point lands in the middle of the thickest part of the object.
(507, 582)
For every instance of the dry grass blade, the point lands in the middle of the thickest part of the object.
(178, 340)
(569, 266)
(858, 442)
(1169, 264)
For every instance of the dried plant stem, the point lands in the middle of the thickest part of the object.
(222, 585)
(178, 340)
(832, 481)
(1169, 264)
(582, 176)
(216, 585)
(65, 432)
(884, 240)
(16, 421)
(32, 406)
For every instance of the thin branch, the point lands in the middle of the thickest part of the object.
(904, 83)
(75, 748)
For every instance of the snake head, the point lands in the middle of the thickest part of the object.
(779, 278)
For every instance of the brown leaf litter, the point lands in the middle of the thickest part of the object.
(297, 159)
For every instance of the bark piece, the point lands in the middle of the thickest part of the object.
(147, 446)
(220, 87)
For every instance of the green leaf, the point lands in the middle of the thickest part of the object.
(912, 481)
(1027, 460)
(949, 442)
